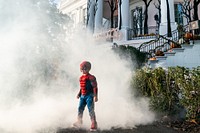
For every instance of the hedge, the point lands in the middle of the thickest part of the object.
(170, 90)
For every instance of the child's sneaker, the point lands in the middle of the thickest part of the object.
(93, 126)
(77, 124)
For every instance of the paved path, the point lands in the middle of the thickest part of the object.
(153, 128)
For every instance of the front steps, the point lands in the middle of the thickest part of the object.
(187, 56)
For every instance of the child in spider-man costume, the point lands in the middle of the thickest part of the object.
(87, 94)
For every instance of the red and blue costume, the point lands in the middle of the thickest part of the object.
(88, 89)
(87, 94)
(88, 85)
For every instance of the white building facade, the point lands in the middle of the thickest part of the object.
(129, 14)
(76, 9)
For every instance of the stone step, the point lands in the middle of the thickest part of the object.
(188, 56)
(185, 46)
(170, 53)
(161, 57)
(178, 49)
(152, 63)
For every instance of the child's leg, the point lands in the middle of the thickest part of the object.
(90, 105)
(81, 107)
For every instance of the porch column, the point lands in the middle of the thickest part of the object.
(125, 14)
(125, 11)
(90, 15)
(98, 16)
(163, 24)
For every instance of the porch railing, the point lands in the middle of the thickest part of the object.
(162, 42)
(139, 33)
(108, 34)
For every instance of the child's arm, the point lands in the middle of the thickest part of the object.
(95, 98)
(95, 89)
(79, 94)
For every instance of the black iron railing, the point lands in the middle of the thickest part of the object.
(162, 42)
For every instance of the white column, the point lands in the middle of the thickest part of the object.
(99, 16)
(163, 24)
(80, 15)
(77, 16)
(125, 11)
(125, 14)
(91, 12)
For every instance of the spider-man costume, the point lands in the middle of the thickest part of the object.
(88, 85)
(88, 89)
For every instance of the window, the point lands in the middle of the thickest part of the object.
(178, 14)
(137, 20)
(115, 21)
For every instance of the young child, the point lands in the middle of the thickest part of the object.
(87, 94)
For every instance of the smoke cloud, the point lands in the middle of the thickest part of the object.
(40, 74)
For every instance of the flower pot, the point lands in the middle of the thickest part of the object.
(159, 53)
(153, 58)
(172, 45)
(188, 35)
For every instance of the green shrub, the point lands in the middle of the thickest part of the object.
(170, 90)
(133, 53)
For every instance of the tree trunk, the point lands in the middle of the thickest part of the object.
(169, 31)
(120, 15)
(88, 15)
(111, 14)
(195, 6)
(146, 21)
(111, 20)
(195, 17)
(146, 15)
